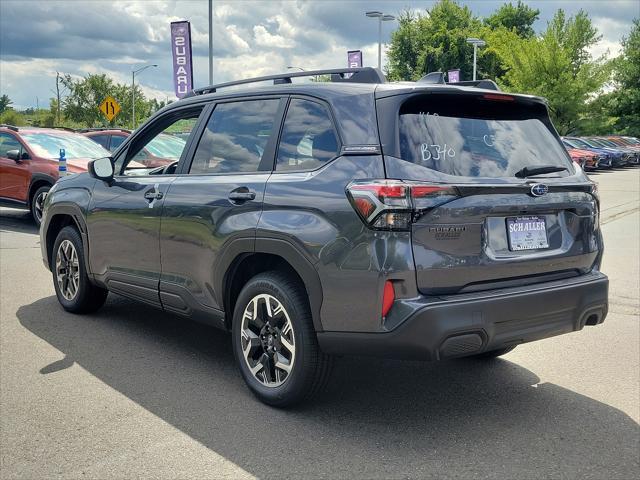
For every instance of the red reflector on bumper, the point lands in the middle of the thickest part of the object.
(388, 297)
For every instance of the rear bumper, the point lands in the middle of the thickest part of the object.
(473, 323)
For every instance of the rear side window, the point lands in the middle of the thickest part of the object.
(308, 138)
(236, 137)
(475, 137)
(102, 140)
(8, 142)
(116, 141)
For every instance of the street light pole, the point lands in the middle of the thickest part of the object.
(210, 42)
(476, 42)
(133, 93)
(381, 18)
(475, 56)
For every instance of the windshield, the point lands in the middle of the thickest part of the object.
(577, 143)
(473, 137)
(48, 145)
(166, 146)
(609, 143)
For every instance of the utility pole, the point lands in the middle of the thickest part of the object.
(58, 98)
(210, 42)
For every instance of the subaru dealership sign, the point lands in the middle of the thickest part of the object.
(182, 64)
(354, 58)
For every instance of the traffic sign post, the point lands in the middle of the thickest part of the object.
(110, 108)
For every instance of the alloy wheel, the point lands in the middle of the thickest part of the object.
(267, 340)
(38, 205)
(67, 270)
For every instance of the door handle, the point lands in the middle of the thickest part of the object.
(242, 196)
(153, 195)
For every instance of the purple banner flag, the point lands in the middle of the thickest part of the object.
(454, 75)
(354, 58)
(181, 48)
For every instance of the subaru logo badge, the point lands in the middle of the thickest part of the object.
(539, 189)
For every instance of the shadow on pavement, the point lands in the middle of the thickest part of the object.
(379, 419)
(16, 220)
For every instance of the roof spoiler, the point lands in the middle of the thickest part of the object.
(437, 78)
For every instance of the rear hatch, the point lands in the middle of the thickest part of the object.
(483, 215)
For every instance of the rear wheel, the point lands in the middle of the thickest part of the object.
(37, 203)
(274, 341)
(75, 292)
(494, 353)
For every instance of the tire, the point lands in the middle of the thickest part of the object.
(494, 353)
(265, 342)
(37, 203)
(67, 262)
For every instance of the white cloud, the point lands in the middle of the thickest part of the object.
(266, 39)
(251, 37)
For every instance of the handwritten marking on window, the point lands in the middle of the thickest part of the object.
(488, 140)
(436, 152)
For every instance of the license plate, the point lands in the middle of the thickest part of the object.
(527, 233)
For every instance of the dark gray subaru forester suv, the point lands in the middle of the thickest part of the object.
(413, 220)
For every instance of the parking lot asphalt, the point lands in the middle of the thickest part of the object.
(131, 391)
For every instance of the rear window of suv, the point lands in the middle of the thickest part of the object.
(470, 136)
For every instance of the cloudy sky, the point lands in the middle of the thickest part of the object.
(260, 37)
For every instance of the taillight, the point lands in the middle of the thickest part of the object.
(391, 204)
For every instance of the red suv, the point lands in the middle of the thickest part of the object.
(163, 150)
(29, 163)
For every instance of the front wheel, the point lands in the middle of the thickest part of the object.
(75, 292)
(274, 341)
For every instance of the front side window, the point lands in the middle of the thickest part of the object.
(236, 137)
(477, 137)
(48, 145)
(308, 138)
(160, 153)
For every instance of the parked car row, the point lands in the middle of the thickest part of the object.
(29, 158)
(611, 151)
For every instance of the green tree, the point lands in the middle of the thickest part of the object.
(432, 42)
(626, 97)
(5, 103)
(557, 66)
(85, 95)
(519, 17)
(11, 117)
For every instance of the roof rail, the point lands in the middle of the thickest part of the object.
(437, 78)
(10, 127)
(68, 129)
(101, 129)
(354, 75)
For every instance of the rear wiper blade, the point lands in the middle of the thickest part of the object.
(531, 171)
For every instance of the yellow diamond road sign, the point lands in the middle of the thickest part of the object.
(110, 107)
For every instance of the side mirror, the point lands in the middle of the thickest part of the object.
(102, 169)
(14, 155)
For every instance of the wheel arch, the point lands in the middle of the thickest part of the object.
(244, 262)
(59, 217)
(38, 180)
